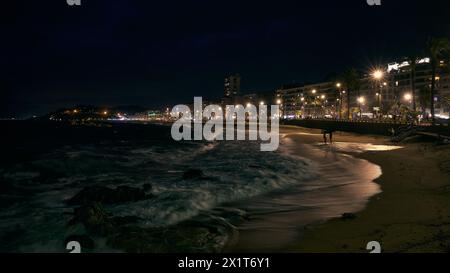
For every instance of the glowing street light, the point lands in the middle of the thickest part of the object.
(278, 101)
(408, 96)
(378, 74)
(322, 97)
(361, 99)
(314, 91)
(261, 103)
(338, 85)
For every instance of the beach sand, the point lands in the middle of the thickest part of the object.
(412, 214)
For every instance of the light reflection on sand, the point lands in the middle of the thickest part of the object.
(344, 184)
(352, 147)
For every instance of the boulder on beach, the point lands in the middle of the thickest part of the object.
(106, 195)
(348, 216)
(99, 222)
(193, 174)
(147, 187)
(196, 174)
(95, 219)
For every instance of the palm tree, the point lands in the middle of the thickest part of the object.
(424, 98)
(413, 59)
(351, 81)
(436, 48)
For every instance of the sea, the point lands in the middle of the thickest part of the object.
(45, 164)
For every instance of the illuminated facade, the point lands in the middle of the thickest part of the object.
(232, 86)
(376, 96)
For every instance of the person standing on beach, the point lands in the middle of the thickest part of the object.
(325, 133)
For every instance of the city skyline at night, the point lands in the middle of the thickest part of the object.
(131, 53)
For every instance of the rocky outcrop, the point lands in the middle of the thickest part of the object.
(106, 195)
(348, 216)
(94, 218)
(193, 174)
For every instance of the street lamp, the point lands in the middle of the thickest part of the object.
(361, 100)
(338, 86)
(408, 96)
(378, 74)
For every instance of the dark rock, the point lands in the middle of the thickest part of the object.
(348, 216)
(147, 187)
(121, 194)
(193, 174)
(125, 220)
(90, 194)
(84, 240)
(95, 219)
(125, 194)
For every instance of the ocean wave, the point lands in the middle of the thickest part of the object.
(234, 171)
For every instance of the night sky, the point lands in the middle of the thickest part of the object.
(148, 53)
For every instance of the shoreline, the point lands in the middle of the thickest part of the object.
(340, 184)
(411, 214)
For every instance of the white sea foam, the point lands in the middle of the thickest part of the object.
(233, 171)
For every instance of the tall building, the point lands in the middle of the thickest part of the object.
(232, 86)
(310, 100)
(375, 96)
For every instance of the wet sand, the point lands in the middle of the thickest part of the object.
(343, 184)
(408, 211)
(412, 214)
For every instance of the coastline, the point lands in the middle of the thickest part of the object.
(411, 214)
(341, 183)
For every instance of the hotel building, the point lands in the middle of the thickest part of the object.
(375, 96)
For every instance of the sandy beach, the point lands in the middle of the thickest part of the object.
(396, 194)
(411, 214)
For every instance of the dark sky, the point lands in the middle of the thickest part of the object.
(124, 52)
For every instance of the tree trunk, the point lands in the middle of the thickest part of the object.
(348, 105)
(413, 87)
(359, 105)
(433, 87)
